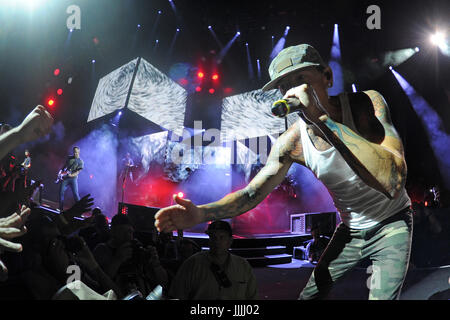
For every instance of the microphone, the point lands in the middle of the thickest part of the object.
(281, 108)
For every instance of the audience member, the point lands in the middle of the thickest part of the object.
(317, 245)
(127, 262)
(51, 260)
(215, 274)
(98, 232)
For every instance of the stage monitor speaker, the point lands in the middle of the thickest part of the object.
(303, 222)
(142, 217)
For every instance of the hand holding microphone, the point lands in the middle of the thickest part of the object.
(300, 99)
(281, 108)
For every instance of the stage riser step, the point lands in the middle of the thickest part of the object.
(255, 252)
(258, 243)
(265, 261)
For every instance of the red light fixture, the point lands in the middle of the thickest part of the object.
(56, 72)
(198, 89)
(200, 74)
(211, 90)
(50, 102)
(180, 194)
(215, 76)
(59, 92)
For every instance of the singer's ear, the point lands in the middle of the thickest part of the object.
(328, 76)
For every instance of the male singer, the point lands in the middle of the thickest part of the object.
(351, 145)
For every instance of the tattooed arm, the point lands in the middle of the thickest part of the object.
(185, 214)
(381, 165)
(285, 150)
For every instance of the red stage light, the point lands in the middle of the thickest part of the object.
(56, 72)
(211, 90)
(50, 102)
(201, 75)
(198, 89)
(426, 203)
(215, 76)
(180, 194)
(59, 91)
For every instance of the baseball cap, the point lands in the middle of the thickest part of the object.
(291, 59)
(219, 225)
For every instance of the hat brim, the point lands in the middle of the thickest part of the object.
(273, 83)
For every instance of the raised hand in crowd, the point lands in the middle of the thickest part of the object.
(71, 220)
(36, 124)
(12, 227)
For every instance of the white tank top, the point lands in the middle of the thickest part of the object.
(359, 206)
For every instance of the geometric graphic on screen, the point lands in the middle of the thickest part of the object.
(150, 149)
(248, 115)
(112, 91)
(158, 98)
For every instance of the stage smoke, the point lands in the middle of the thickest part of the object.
(98, 151)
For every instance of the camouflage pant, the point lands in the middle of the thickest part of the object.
(388, 246)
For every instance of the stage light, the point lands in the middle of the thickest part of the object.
(93, 61)
(211, 90)
(209, 27)
(238, 33)
(438, 38)
(417, 49)
(71, 30)
(50, 102)
(183, 81)
(390, 67)
(159, 11)
(56, 72)
(138, 25)
(59, 92)
(180, 194)
(215, 76)
(246, 44)
(178, 30)
(200, 75)
(156, 40)
(198, 89)
(120, 113)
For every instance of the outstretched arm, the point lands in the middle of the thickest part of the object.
(271, 175)
(185, 215)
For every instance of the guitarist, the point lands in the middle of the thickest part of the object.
(70, 172)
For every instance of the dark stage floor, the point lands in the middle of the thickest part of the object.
(285, 282)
